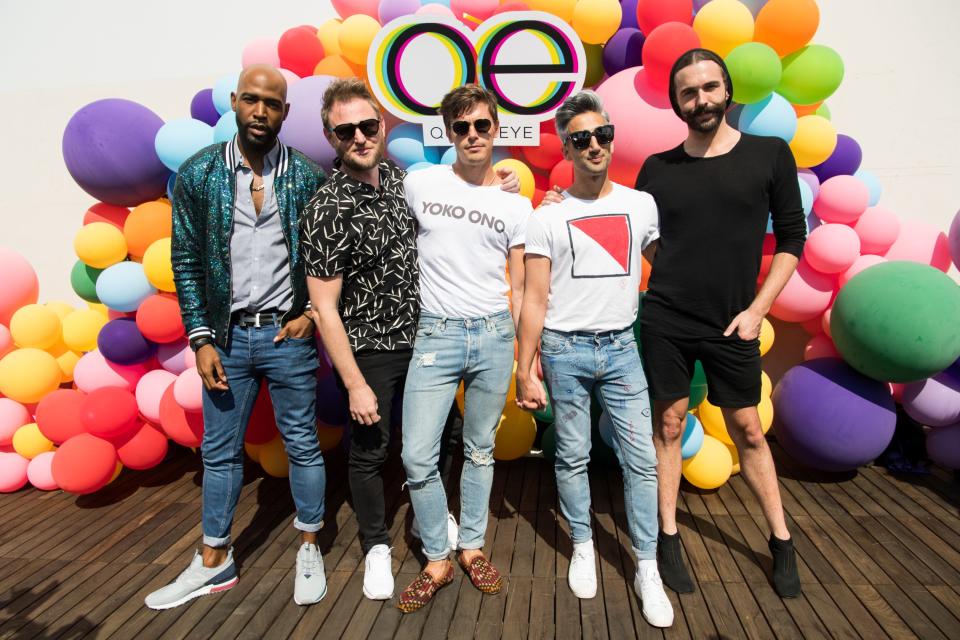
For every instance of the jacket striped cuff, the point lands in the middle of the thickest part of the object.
(200, 331)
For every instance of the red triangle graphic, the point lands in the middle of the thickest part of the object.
(610, 232)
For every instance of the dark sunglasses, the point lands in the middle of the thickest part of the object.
(581, 139)
(368, 128)
(462, 127)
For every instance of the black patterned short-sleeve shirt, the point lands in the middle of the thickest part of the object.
(369, 236)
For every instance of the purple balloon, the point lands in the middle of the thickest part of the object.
(935, 401)
(811, 179)
(844, 161)
(953, 237)
(202, 109)
(121, 342)
(303, 128)
(830, 417)
(623, 50)
(332, 406)
(390, 9)
(628, 12)
(943, 446)
(108, 149)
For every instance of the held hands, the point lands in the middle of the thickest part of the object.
(363, 405)
(746, 324)
(530, 393)
(301, 327)
(211, 369)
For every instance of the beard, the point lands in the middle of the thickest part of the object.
(692, 118)
(363, 164)
(257, 142)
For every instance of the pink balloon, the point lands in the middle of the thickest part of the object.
(842, 199)
(943, 446)
(832, 248)
(150, 390)
(93, 372)
(176, 357)
(13, 472)
(921, 242)
(878, 229)
(40, 472)
(188, 390)
(807, 294)
(954, 239)
(811, 179)
(825, 322)
(435, 8)
(6, 341)
(260, 51)
(289, 76)
(480, 9)
(20, 284)
(820, 346)
(645, 122)
(861, 263)
(13, 415)
(347, 8)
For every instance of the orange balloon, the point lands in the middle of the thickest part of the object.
(644, 273)
(807, 109)
(339, 67)
(146, 224)
(787, 25)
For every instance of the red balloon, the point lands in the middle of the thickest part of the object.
(109, 213)
(158, 319)
(661, 49)
(84, 464)
(262, 426)
(537, 197)
(562, 174)
(653, 13)
(58, 415)
(766, 258)
(300, 50)
(143, 449)
(547, 155)
(109, 412)
(182, 427)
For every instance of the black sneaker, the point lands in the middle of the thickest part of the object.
(786, 580)
(672, 569)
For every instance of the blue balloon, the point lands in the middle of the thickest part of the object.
(449, 156)
(873, 184)
(417, 166)
(806, 196)
(123, 286)
(222, 88)
(405, 146)
(692, 438)
(171, 182)
(226, 127)
(500, 153)
(177, 140)
(772, 116)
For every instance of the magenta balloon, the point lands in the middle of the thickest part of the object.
(845, 159)
(202, 109)
(623, 50)
(303, 128)
(943, 446)
(108, 149)
(953, 237)
(935, 401)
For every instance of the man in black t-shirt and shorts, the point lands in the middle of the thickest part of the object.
(714, 193)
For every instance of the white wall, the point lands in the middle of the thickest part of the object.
(899, 98)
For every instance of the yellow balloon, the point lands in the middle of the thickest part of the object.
(26, 375)
(338, 67)
(596, 20)
(100, 244)
(723, 25)
(515, 434)
(356, 34)
(67, 361)
(29, 442)
(814, 141)
(766, 386)
(80, 329)
(713, 423)
(99, 308)
(765, 409)
(329, 437)
(711, 467)
(563, 9)
(273, 458)
(329, 36)
(36, 326)
(735, 456)
(253, 450)
(767, 335)
(61, 308)
(116, 471)
(523, 173)
(157, 266)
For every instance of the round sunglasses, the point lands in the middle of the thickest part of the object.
(581, 139)
(462, 127)
(346, 131)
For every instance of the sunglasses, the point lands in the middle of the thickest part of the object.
(462, 127)
(368, 128)
(581, 139)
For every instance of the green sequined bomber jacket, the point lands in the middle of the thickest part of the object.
(203, 208)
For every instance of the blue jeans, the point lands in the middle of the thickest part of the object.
(573, 365)
(478, 351)
(289, 368)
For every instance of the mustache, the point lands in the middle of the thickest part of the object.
(706, 108)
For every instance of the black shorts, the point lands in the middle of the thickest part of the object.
(732, 367)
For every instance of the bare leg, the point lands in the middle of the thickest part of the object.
(668, 419)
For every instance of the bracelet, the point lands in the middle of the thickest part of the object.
(202, 341)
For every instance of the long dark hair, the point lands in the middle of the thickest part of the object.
(693, 57)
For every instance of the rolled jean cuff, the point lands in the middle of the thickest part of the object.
(307, 528)
(586, 539)
(434, 557)
(471, 546)
(216, 543)
(649, 554)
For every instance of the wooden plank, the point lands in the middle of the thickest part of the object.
(834, 619)
(883, 613)
(724, 616)
(516, 617)
(912, 615)
(541, 626)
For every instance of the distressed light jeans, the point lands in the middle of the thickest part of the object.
(478, 351)
(574, 364)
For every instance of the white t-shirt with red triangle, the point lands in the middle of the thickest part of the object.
(594, 247)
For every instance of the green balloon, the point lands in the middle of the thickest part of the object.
(595, 69)
(548, 443)
(754, 71)
(898, 321)
(545, 414)
(83, 279)
(810, 74)
(823, 111)
(698, 385)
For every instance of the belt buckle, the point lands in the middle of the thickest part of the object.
(256, 320)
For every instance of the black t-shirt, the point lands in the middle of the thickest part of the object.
(713, 219)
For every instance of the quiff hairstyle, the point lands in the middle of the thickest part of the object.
(345, 90)
(463, 99)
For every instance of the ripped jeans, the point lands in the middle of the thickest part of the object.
(575, 365)
(478, 351)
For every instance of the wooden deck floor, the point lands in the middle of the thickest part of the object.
(879, 557)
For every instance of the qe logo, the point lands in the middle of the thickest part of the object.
(531, 61)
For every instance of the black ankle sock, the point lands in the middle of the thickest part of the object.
(786, 579)
(673, 571)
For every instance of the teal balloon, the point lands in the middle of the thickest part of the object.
(810, 74)
(449, 156)
(545, 414)
(179, 139)
(898, 321)
(405, 146)
(755, 71)
(698, 385)
(773, 117)
(123, 286)
(222, 88)
(83, 279)
(692, 438)
(226, 127)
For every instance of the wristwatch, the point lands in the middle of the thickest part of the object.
(200, 341)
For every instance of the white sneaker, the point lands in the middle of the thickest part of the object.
(378, 573)
(657, 608)
(453, 530)
(196, 580)
(582, 575)
(311, 584)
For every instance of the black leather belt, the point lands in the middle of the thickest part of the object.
(263, 318)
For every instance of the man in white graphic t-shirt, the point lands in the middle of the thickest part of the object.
(583, 259)
(469, 230)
